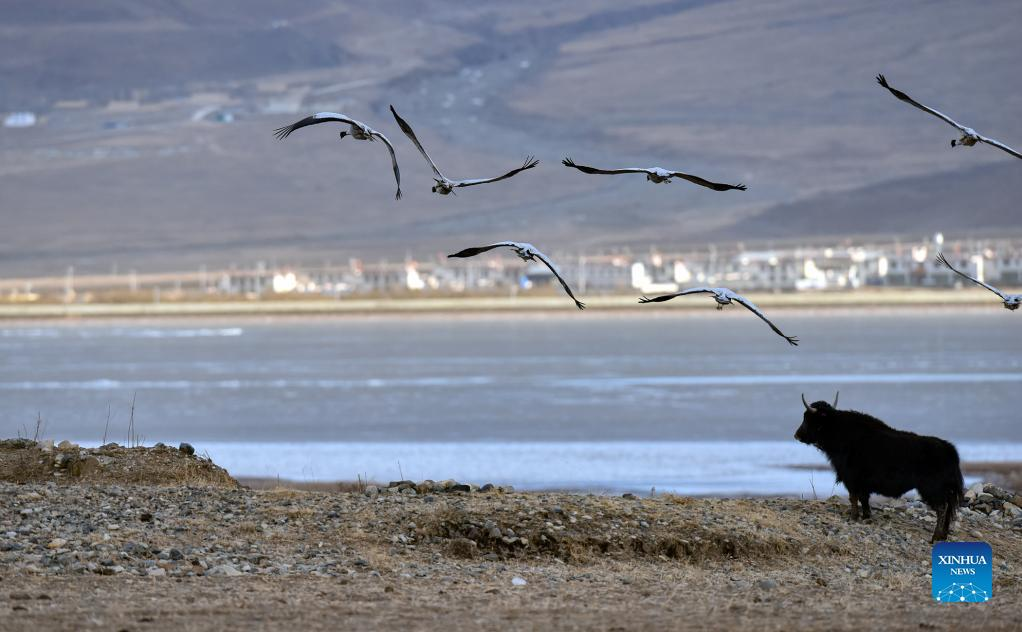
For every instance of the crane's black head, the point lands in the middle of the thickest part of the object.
(815, 418)
(953, 142)
(343, 134)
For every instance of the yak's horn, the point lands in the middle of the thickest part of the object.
(836, 395)
(808, 407)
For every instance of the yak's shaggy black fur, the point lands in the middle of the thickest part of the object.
(870, 457)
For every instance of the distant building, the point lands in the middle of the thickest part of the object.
(20, 119)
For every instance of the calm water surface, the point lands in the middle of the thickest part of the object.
(480, 382)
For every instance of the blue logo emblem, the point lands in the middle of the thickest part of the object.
(962, 572)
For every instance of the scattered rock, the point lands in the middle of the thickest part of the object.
(767, 584)
(186, 448)
(518, 581)
(224, 570)
(84, 467)
(462, 547)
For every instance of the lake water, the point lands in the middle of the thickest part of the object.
(696, 402)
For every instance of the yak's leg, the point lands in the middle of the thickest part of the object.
(940, 531)
(949, 516)
(854, 499)
(864, 500)
(944, 516)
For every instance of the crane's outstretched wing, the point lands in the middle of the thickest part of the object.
(716, 186)
(792, 340)
(529, 163)
(407, 129)
(667, 297)
(1000, 145)
(320, 117)
(942, 259)
(471, 252)
(907, 99)
(393, 160)
(539, 255)
(568, 162)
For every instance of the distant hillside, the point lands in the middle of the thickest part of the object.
(981, 199)
(112, 49)
(778, 94)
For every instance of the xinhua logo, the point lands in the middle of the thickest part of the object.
(962, 572)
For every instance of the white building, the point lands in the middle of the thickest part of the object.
(20, 119)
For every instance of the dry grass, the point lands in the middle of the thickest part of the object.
(266, 484)
(27, 461)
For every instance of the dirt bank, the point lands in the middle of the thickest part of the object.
(112, 555)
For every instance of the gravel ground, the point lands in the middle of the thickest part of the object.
(155, 538)
(104, 556)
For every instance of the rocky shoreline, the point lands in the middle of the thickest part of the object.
(84, 552)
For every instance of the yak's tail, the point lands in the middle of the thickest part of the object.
(954, 497)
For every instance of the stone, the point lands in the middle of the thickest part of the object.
(767, 584)
(84, 467)
(145, 516)
(156, 571)
(224, 570)
(459, 487)
(518, 581)
(186, 448)
(46, 446)
(57, 543)
(1012, 510)
(628, 496)
(488, 487)
(401, 484)
(17, 444)
(66, 445)
(175, 554)
(372, 490)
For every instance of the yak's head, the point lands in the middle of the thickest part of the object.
(817, 415)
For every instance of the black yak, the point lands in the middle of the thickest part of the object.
(870, 457)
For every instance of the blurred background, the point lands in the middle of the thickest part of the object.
(271, 303)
